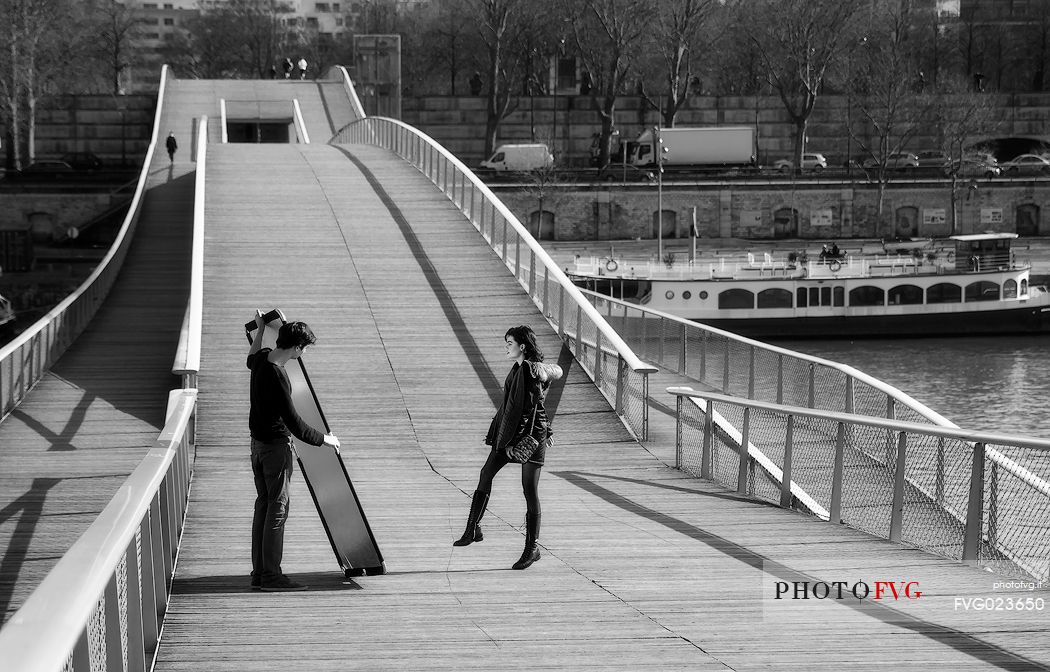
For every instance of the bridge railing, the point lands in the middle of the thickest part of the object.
(102, 605)
(732, 364)
(617, 371)
(25, 360)
(976, 497)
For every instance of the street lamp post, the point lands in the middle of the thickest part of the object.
(658, 150)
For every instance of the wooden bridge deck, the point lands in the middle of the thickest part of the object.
(644, 568)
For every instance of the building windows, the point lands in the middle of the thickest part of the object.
(322, 7)
(169, 22)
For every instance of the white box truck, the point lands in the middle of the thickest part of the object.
(709, 148)
(519, 158)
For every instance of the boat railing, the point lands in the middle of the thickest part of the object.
(976, 497)
(616, 370)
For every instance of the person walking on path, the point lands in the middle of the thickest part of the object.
(522, 414)
(288, 67)
(272, 421)
(172, 146)
(302, 68)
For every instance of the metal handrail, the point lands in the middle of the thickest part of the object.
(982, 520)
(351, 92)
(117, 573)
(188, 355)
(890, 391)
(30, 355)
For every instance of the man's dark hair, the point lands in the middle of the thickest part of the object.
(295, 334)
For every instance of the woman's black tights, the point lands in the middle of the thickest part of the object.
(530, 478)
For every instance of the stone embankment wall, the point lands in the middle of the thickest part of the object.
(782, 210)
(458, 123)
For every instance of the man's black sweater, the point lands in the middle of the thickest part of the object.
(272, 415)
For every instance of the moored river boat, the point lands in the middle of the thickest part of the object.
(976, 286)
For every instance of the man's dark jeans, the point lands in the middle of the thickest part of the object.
(272, 466)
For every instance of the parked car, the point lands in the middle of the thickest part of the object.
(895, 161)
(46, 169)
(1026, 163)
(972, 167)
(932, 158)
(810, 161)
(83, 160)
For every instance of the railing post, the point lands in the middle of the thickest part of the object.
(993, 505)
(897, 508)
(504, 237)
(751, 373)
(599, 377)
(812, 385)
(660, 343)
(835, 513)
(703, 355)
(645, 406)
(709, 433)
(975, 508)
(621, 375)
(681, 350)
(939, 485)
(546, 291)
(136, 647)
(785, 483)
(725, 370)
(579, 332)
(561, 312)
(744, 453)
(678, 432)
(849, 395)
(111, 622)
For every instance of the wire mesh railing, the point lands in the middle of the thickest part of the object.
(971, 496)
(617, 371)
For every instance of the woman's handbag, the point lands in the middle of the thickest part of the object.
(522, 451)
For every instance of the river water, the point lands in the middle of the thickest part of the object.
(992, 383)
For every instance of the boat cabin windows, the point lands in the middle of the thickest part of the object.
(774, 298)
(1010, 289)
(867, 295)
(905, 295)
(820, 296)
(1024, 288)
(733, 299)
(944, 292)
(982, 291)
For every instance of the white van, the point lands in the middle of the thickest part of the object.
(520, 158)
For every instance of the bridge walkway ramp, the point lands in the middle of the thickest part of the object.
(643, 567)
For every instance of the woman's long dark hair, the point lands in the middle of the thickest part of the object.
(523, 335)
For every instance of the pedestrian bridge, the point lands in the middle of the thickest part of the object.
(127, 491)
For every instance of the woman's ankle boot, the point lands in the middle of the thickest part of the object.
(532, 548)
(477, 510)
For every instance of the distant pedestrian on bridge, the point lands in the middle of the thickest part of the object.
(272, 421)
(521, 420)
(172, 146)
(302, 68)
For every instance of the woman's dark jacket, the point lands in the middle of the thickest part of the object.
(522, 412)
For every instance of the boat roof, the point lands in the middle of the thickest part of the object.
(984, 236)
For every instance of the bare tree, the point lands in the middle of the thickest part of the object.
(498, 22)
(884, 89)
(609, 37)
(676, 37)
(116, 29)
(964, 116)
(797, 40)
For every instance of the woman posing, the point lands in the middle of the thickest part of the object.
(520, 416)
